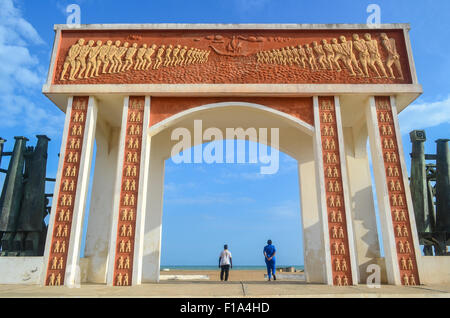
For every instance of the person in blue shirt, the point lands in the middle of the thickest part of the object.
(269, 257)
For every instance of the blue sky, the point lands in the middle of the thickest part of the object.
(223, 203)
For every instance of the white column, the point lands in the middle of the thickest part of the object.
(362, 199)
(153, 221)
(384, 208)
(345, 188)
(320, 188)
(101, 205)
(73, 257)
(142, 199)
(314, 250)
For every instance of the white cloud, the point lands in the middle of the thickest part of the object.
(22, 75)
(425, 115)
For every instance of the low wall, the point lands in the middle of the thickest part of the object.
(21, 270)
(435, 270)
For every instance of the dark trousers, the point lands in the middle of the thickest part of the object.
(224, 270)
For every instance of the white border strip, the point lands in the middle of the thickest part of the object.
(141, 208)
(345, 189)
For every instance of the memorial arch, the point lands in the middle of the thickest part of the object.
(328, 88)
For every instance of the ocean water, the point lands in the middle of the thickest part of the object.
(211, 267)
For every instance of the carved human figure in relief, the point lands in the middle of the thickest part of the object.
(159, 54)
(67, 216)
(338, 51)
(375, 57)
(119, 279)
(111, 56)
(167, 58)
(123, 230)
(344, 264)
(130, 215)
(320, 54)
(335, 248)
(342, 249)
(62, 213)
(121, 50)
(337, 265)
(339, 216)
(333, 216)
(81, 60)
(140, 64)
(121, 247)
(120, 263)
(52, 280)
(401, 247)
(364, 56)
(334, 232)
(405, 232)
(349, 57)
(341, 232)
(303, 57)
(102, 57)
(148, 57)
(407, 247)
(412, 280)
(393, 57)
(338, 280)
(398, 229)
(330, 56)
(71, 59)
(410, 264)
(403, 264)
(345, 280)
(92, 60)
(405, 280)
(129, 57)
(175, 52)
(311, 57)
(54, 263)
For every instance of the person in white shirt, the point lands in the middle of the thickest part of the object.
(225, 263)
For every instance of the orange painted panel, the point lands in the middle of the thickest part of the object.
(231, 57)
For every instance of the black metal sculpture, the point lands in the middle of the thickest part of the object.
(23, 201)
(430, 190)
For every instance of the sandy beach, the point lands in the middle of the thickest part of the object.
(235, 275)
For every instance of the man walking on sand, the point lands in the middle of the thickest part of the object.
(225, 262)
(269, 257)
